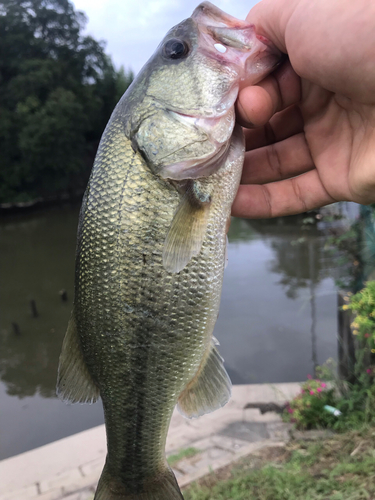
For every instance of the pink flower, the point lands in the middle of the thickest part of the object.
(309, 376)
(312, 393)
(323, 384)
(319, 389)
(367, 335)
(290, 410)
(368, 370)
(302, 390)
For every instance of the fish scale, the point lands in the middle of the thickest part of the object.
(151, 251)
(145, 335)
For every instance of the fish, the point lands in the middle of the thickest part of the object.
(151, 248)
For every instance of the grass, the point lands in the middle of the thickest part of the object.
(186, 453)
(340, 468)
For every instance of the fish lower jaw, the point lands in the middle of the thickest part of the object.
(218, 127)
(219, 131)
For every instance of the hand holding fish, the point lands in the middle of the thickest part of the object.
(311, 140)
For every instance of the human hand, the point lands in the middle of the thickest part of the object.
(315, 141)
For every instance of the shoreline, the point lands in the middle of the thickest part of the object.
(68, 469)
(29, 207)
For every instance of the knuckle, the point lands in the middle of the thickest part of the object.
(274, 160)
(269, 134)
(298, 195)
(268, 201)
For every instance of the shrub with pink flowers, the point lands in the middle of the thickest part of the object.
(307, 409)
(350, 405)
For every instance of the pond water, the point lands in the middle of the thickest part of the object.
(278, 316)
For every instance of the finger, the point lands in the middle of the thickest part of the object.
(258, 103)
(271, 19)
(292, 25)
(281, 126)
(278, 161)
(287, 197)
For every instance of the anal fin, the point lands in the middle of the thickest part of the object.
(74, 382)
(209, 390)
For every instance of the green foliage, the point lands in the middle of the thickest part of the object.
(57, 91)
(356, 400)
(363, 305)
(123, 80)
(307, 409)
(353, 247)
(185, 453)
(339, 469)
(345, 245)
(356, 406)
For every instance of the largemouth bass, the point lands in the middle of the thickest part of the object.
(151, 248)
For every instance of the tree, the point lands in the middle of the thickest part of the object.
(57, 91)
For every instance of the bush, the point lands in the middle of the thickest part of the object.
(355, 405)
(363, 305)
(307, 409)
(355, 401)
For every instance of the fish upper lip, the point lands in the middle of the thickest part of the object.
(231, 37)
(207, 13)
(238, 36)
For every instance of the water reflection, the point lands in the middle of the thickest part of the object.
(299, 255)
(277, 317)
(301, 261)
(36, 255)
(277, 330)
(301, 264)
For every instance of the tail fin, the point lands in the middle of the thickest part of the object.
(162, 487)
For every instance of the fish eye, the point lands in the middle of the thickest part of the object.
(175, 49)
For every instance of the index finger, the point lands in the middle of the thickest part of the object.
(285, 197)
(256, 104)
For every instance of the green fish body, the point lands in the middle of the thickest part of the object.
(151, 256)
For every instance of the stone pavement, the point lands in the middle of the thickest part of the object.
(69, 469)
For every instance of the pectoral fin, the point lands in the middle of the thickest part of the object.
(209, 390)
(74, 382)
(188, 228)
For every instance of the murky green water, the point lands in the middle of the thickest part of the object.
(277, 318)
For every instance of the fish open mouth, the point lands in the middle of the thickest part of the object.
(228, 54)
(235, 43)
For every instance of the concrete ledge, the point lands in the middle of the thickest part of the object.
(70, 468)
